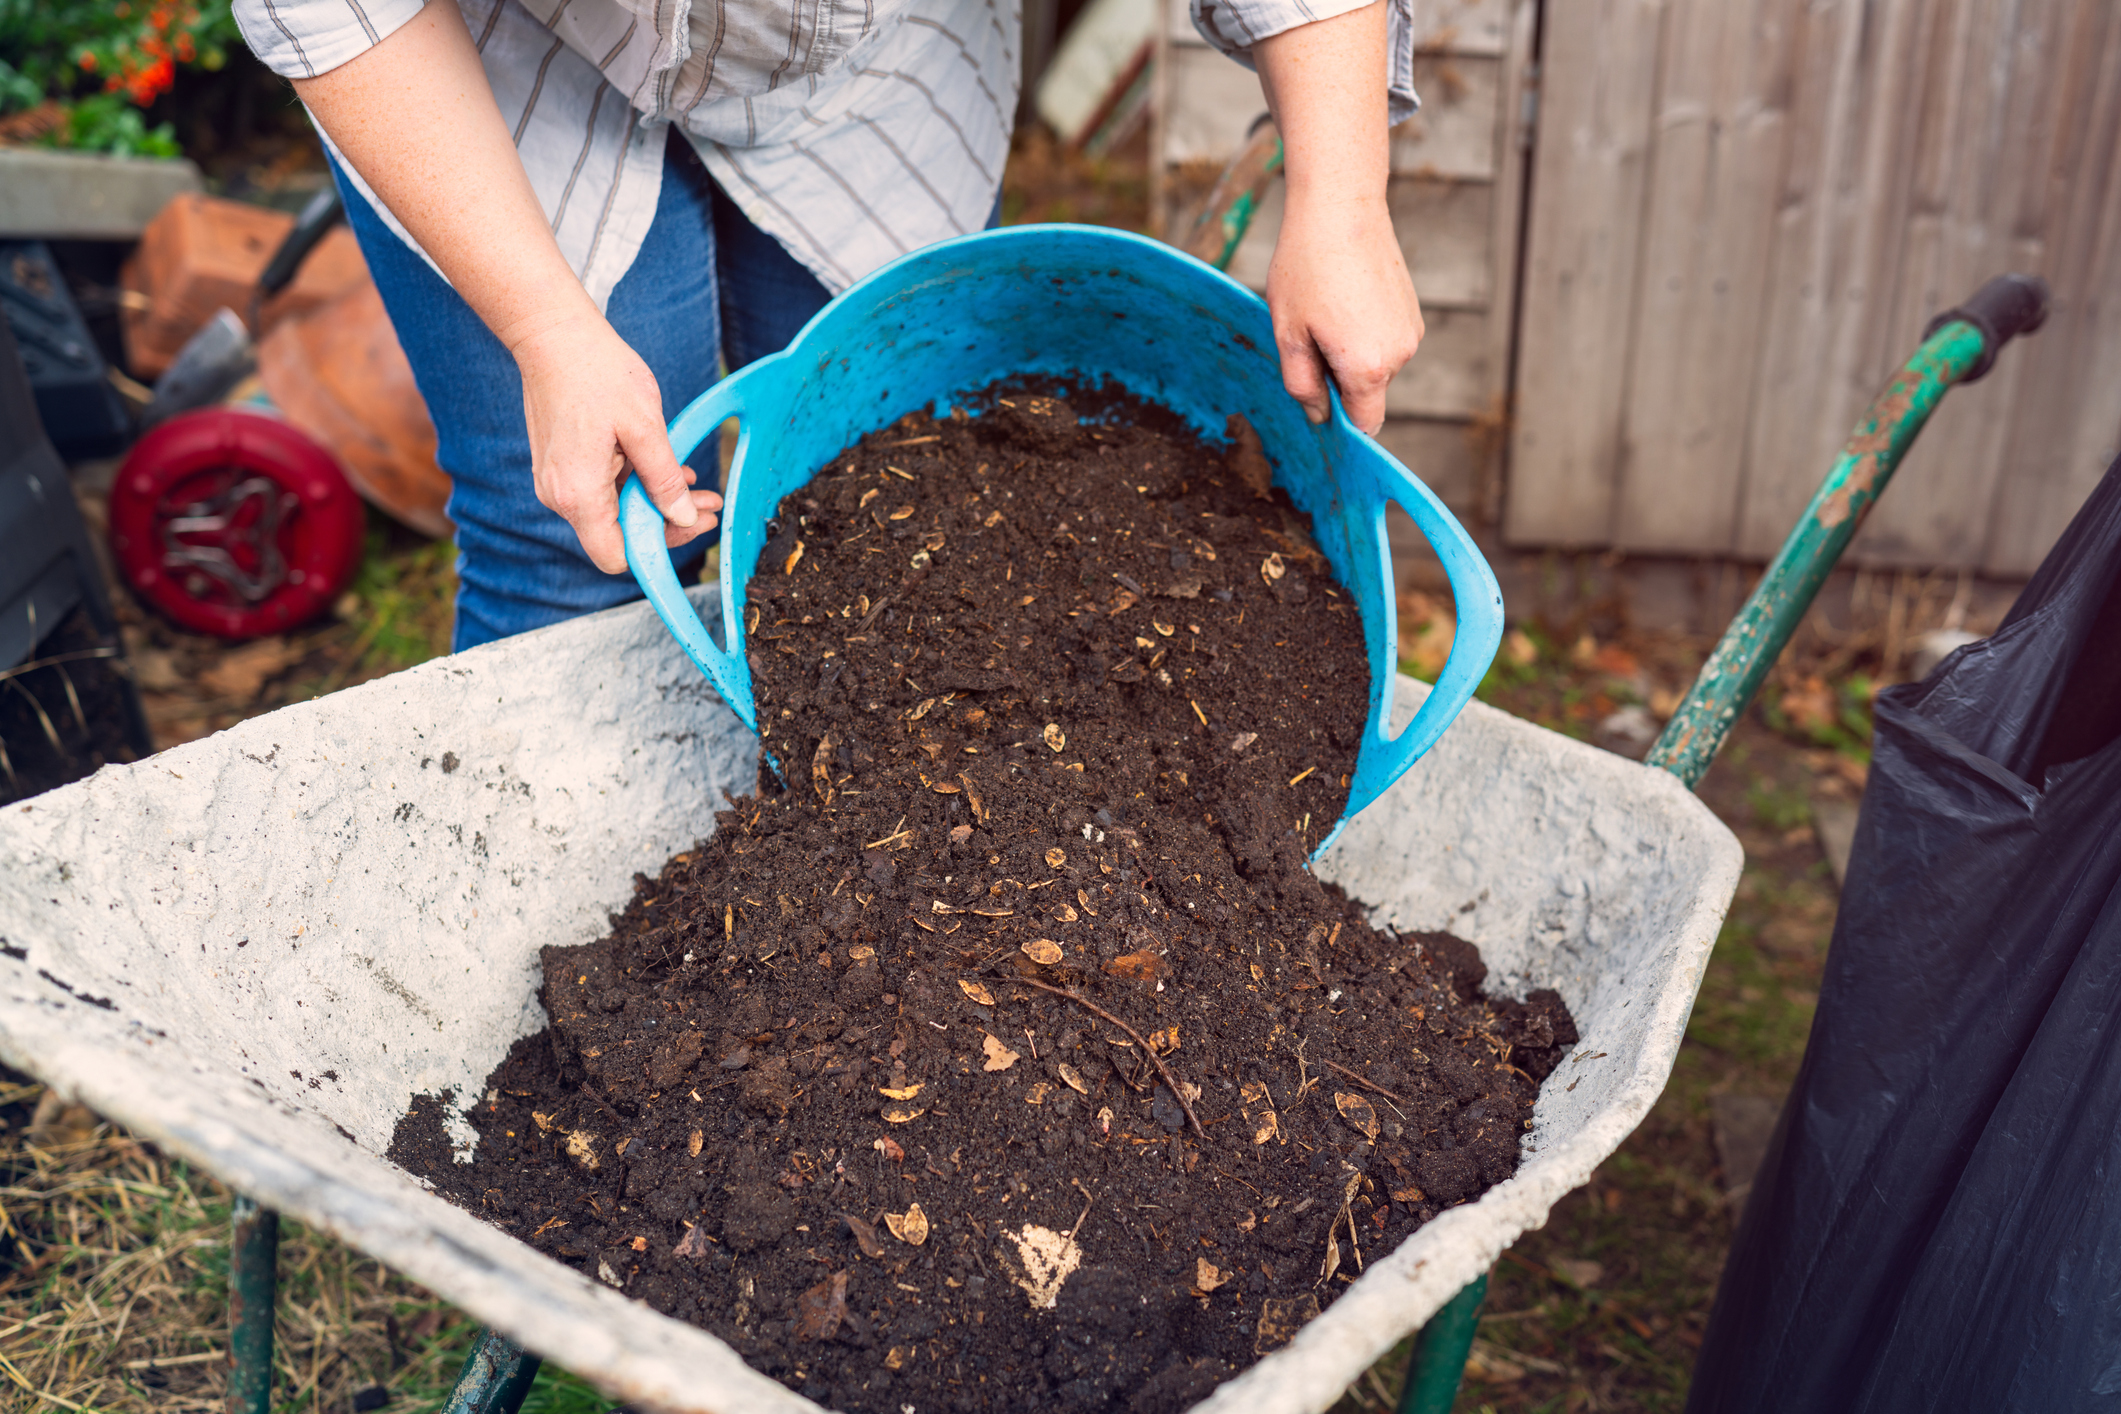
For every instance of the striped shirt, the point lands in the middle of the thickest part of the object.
(852, 131)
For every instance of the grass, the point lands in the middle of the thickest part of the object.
(114, 1264)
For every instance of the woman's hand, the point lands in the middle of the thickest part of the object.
(1344, 306)
(594, 413)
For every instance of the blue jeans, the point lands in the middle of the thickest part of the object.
(708, 287)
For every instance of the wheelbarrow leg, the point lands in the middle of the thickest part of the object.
(1440, 1350)
(253, 1270)
(495, 1378)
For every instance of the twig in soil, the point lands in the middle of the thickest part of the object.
(899, 831)
(1369, 1085)
(605, 1105)
(1089, 1202)
(1092, 1007)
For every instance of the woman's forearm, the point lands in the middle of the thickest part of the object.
(1325, 83)
(1344, 306)
(417, 119)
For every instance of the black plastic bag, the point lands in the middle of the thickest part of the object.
(1937, 1224)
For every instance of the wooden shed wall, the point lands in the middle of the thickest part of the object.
(1742, 214)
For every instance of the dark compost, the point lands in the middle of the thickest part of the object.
(1010, 1055)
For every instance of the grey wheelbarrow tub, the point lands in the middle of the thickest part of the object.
(254, 950)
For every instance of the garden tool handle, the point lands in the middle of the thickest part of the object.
(2002, 309)
(641, 526)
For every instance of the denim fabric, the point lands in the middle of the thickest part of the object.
(704, 271)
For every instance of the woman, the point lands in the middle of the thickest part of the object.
(574, 208)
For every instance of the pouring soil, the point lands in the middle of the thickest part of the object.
(1010, 1053)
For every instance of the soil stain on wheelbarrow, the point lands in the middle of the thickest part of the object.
(1011, 1055)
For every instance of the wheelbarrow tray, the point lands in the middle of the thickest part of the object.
(256, 949)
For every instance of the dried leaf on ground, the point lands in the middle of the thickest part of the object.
(1165, 1041)
(1358, 1112)
(975, 991)
(999, 1056)
(822, 1309)
(243, 671)
(692, 1244)
(889, 1149)
(1207, 1276)
(821, 764)
(864, 1235)
(1141, 966)
(909, 1227)
(1042, 1261)
(1279, 1321)
(1268, 1126)
(1247, 457)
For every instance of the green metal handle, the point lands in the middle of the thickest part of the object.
(253, 1268)
(496, 1377)
(1438, 1363)
(1754, 640)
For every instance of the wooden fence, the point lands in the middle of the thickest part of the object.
(1742, 214)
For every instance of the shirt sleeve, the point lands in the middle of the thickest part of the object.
(299, 39)
(1234, 26)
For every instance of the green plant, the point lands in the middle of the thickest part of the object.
(1777, 808)
(1837, 717)
(100, 62)
(106, 122)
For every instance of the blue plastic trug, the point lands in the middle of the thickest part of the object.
(1080, 303)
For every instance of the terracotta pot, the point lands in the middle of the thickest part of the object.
(336, 372)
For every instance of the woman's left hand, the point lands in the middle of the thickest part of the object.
(1344, 306)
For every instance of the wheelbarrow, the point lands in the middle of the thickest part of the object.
(255, 950)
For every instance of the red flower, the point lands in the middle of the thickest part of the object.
(87, 61)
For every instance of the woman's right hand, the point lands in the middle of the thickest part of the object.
(594, 414)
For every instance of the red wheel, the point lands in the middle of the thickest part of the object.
(234, 523)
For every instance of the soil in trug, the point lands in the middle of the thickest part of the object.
(1021, 985)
